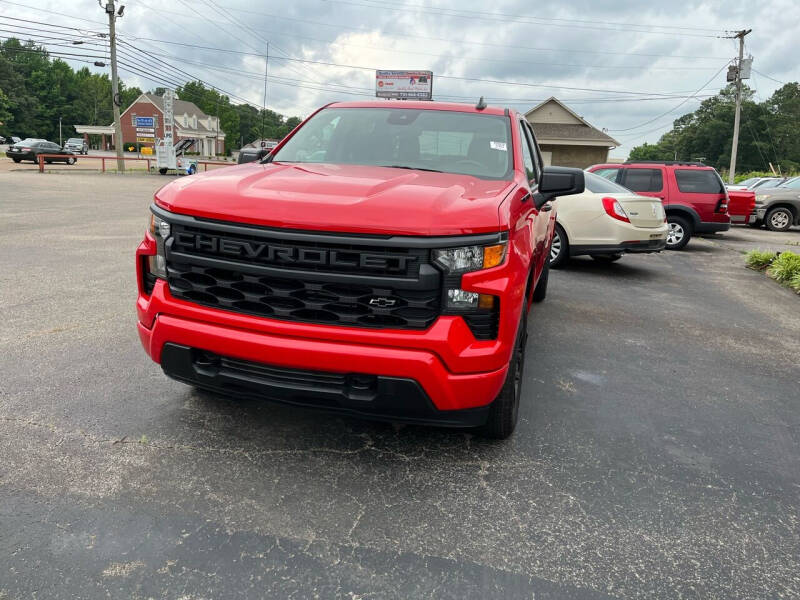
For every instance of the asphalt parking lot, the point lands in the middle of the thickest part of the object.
(658, 453)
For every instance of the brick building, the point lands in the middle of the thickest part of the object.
(566, 139)
(189, 123)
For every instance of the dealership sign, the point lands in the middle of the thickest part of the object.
(145, 122)
(417, 85)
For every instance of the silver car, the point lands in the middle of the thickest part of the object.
(76, 145)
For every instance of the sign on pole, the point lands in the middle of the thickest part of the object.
(417, 85)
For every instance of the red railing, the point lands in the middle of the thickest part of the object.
(103, 159)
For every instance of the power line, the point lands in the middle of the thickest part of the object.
(479, 59)
(504, 18)
(52, 12)
(481, 14)
(673, 109)
(768, 77)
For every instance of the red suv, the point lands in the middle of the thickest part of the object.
(379, 262)
(693, 194)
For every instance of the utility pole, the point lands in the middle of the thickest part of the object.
(740, 35)
(115, 99)
(266, 76)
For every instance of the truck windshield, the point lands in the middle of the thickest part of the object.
(428, 140)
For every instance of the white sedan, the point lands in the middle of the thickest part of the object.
(605, 221)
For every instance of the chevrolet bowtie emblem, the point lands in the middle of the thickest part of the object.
(382, 302)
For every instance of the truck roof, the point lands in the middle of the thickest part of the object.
(421, 105)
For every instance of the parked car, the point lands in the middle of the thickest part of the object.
(381, 263)
(755, 182)
(77, 145)
(606, 221)
(779, 208)
(14, 140)
(31, 148)
(693, 194)
(742, 206)
(2, 139)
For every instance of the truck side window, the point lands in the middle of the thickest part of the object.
(538, 163)
(527, 156)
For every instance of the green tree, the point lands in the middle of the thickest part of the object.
(767, 132)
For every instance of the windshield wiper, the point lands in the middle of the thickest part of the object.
(411, 168)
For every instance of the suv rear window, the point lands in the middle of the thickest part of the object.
(699, 181)
(643, 180)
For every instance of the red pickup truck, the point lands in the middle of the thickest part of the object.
(380, 262)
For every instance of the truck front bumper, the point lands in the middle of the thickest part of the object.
(436, 373)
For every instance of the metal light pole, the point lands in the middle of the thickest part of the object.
(60, 142)
(112, 17)
(735, 146)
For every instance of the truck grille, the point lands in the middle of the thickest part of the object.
(317, 281)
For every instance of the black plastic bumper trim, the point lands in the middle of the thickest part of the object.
(375, 397)
(641, 247)
(706, 227)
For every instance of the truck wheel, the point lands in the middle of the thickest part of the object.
(16, 160)
(162, 171)
(559, 248)
(504, 411)
(540, 291)
(779, 219)
(679, 233)
(606, 258)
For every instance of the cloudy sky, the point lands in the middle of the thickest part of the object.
(630, 67)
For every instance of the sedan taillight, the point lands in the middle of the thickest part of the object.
(614, 209)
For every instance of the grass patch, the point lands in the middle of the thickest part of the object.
(759, 259)
(785, 267)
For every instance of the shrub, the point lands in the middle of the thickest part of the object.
(759, 259)
(785, 267)
(794, 283)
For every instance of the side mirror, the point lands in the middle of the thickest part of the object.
(558, 181)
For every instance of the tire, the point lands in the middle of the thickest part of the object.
(16, 160)
(779, 219)
(559, 248)
(540, 291)
(48, 161)
(679, 233)
(71, 161)
(162, 171)
(504, 411)
(606, 258)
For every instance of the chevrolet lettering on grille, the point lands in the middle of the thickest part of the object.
(290, 255)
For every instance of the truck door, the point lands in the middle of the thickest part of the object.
(539, 220)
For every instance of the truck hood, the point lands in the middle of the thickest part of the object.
(348, 198)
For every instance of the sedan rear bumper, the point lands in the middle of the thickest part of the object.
(642, 247)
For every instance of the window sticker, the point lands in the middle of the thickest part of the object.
(498, 146)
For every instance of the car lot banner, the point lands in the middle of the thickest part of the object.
(417, 85)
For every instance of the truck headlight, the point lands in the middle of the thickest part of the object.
(464, 259)
(761, 198)
(160, 230)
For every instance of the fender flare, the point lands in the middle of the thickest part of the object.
(684, 211)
